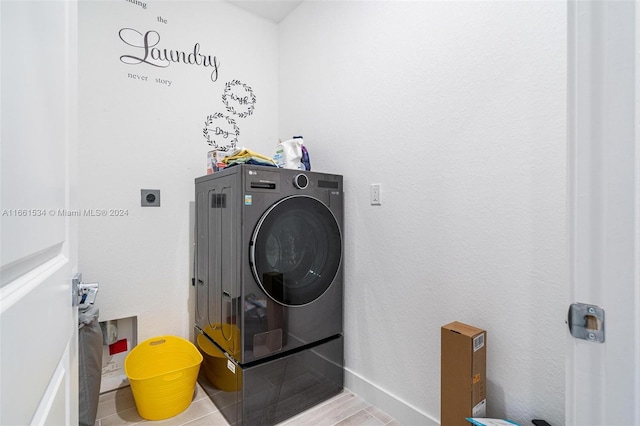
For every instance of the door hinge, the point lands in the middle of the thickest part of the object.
(586, 322)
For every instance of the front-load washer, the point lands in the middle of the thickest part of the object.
(269, 290)
(268, 260)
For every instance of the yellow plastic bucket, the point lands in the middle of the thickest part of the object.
(221, 332)
(216, 368)
(162, 372)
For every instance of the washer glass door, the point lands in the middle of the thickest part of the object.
(296, 250)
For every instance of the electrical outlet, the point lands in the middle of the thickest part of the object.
(375, 194)
(150, 197)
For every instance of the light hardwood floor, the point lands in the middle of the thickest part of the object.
(345, 409)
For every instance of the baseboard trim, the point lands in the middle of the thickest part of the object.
(400, 410)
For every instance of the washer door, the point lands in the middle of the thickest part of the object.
(295, 250)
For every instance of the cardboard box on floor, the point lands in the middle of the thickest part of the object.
(462, 374)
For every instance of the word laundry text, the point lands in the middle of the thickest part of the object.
(145, 50)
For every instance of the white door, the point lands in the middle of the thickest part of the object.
(38, 325)
(603, 379)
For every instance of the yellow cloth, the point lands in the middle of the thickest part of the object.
(246, 154)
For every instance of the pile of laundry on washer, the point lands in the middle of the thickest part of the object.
(290, 154)
(246, 156)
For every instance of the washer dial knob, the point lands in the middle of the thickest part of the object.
(301, 181)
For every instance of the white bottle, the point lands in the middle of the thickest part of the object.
(288, 154)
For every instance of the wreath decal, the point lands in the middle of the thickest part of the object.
(239, 98)
(221, 131)
(222, 138)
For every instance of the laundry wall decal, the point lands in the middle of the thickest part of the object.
(146, 50)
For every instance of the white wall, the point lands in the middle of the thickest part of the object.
(138, 134)
(458, 110)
